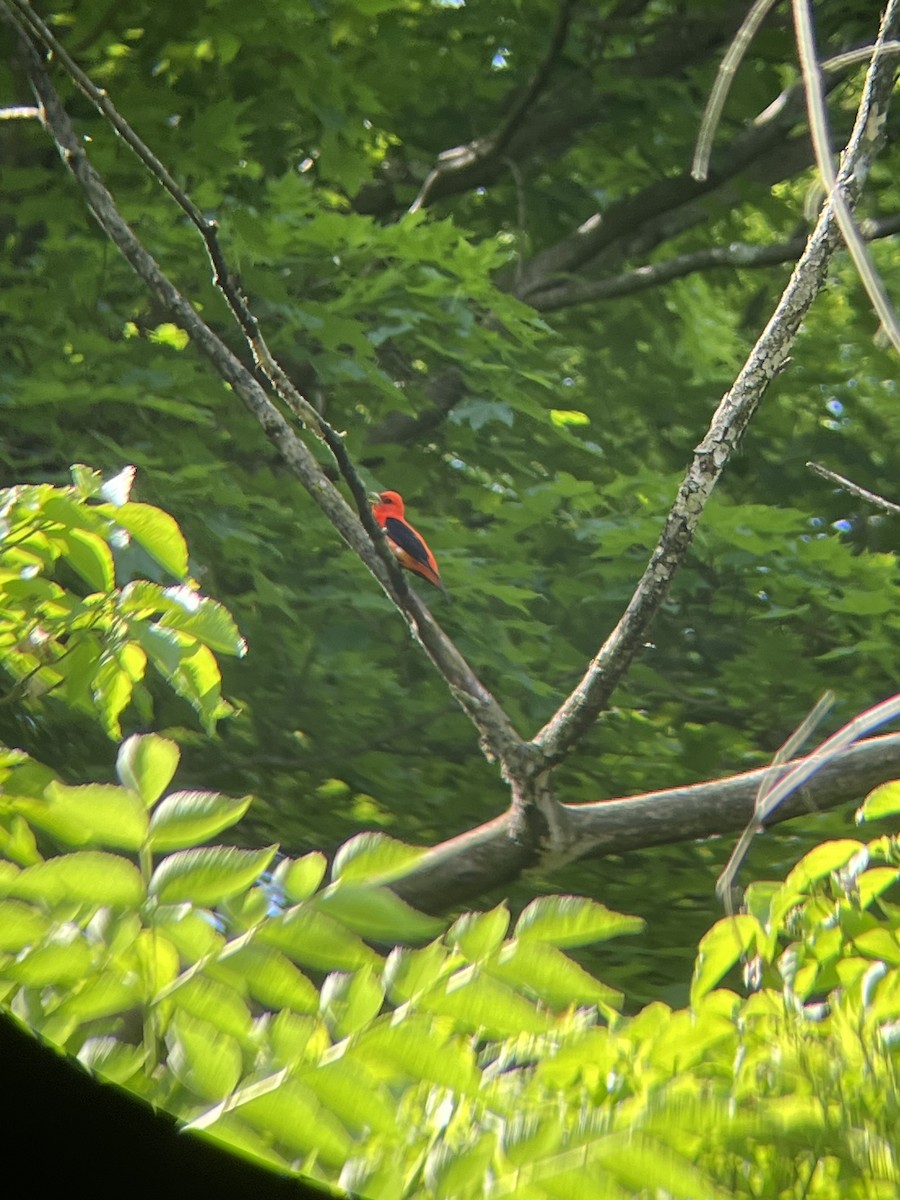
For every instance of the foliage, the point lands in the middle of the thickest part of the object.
(89, 639)
(245, 996)
(539, 452)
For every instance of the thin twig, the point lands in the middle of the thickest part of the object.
(778, 769)
(768, 357)
(19, 112)
(720, 89)
(821, 140)
(854, 489)
(801, 773)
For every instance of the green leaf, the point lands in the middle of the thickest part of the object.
(418, 1048)
(216, 1003)
(541, 970)
(481, 1004)
(572, 921)
(201, 1058)
(204, 619)
(375, 858)
(274, 981)
(351, 1001)
(476, 935)
(208, 875)
(884, 801)
(190, 669)
(146, 764)
(819, 862)
(17, 842)
(112, 688)
(719, 950)
(376, 913)
(293, 1116)
(299, 877)
(408, 972)
(190, 931)
(355, 1095)
(95, 814)
(21, 925)
(88, 877)
(157, 532)
(185, 818)
(112, 1059)
(103, 995)
(316, 940)
(55, 964)
(91, 558)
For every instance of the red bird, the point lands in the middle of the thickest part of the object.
(409, 547)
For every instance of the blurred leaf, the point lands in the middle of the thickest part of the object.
(183, 819)
(572, 921)
(208, 875)
(146, 764)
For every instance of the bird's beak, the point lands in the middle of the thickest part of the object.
(375, 497)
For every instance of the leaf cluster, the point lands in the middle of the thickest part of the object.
(240, 991)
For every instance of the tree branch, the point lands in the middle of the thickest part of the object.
(477, 153)
(854, 489)
(766, 360)
(737, 254)
(462, 869)
(498, 737)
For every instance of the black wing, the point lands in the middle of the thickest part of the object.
(404, 537)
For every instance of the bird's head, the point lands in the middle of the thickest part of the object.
(392, 501)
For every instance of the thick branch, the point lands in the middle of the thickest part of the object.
(498, 737)
(563, 112)
(625, 217)
(768, 357)
(464, 868)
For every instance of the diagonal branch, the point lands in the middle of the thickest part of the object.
(498, 737)
(766, 360)
(854, 489)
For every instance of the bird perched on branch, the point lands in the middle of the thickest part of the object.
(409, 547)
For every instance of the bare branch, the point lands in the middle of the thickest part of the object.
(462, 869)
(624, 218)
(19, 112)
(724, 78)
(482, 150)
(854, 489)
(498, 737)
(737, 254)
(773, 793)
(821, 139)
(766, 360)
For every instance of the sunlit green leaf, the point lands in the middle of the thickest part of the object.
(183, 819)
(95, 814)
(146, 764)
(572, 921)
(88, 877)
(208, 875)
(157, 532)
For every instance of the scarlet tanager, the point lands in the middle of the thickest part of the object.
(409, 547)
